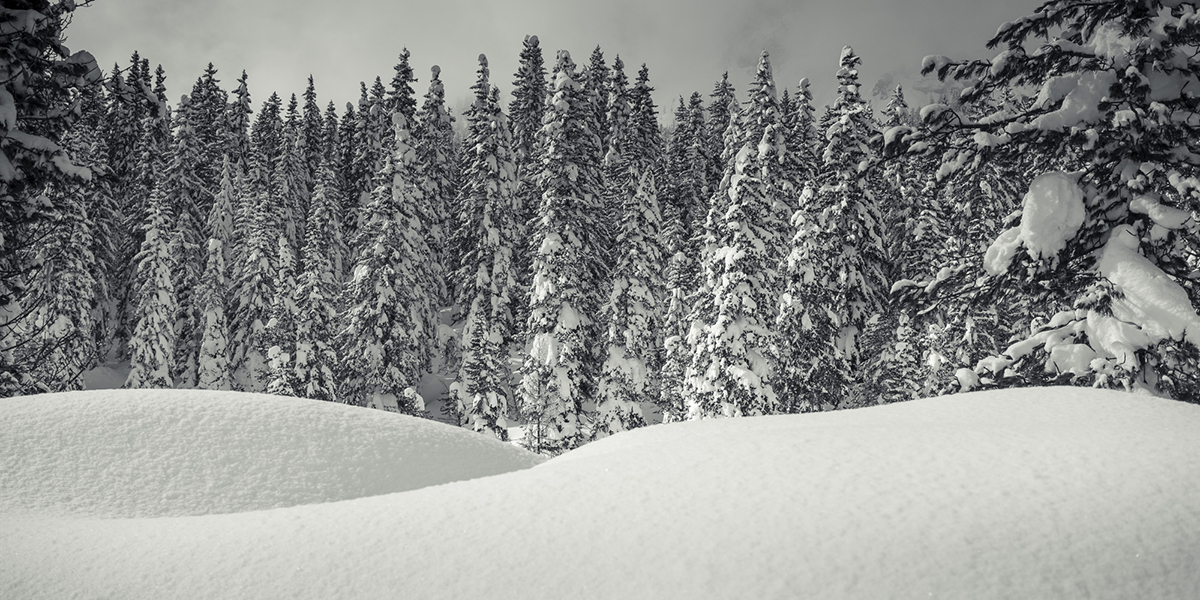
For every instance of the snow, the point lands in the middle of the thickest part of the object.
(1030, 493)
(1051, 215)
(1053, 212)
(160, 453)
(1148, 298)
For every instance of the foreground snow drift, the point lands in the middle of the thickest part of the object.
(153, 453)
(1059, 493)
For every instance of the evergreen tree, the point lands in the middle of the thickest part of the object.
(185, 193)
(629, 373)
(733, 324)
(836, 266)
(316, 363)
(152, 347)
(720, 111)
(596, 79)
(559, 371)
(253, 291)
(289, 185)
(528, 103)
(401, 97)
(312, 133)
(389, 331)
(237, 122)
(436, 157)
(214, 371)
(487, 278)
(1112, 199)
(280, 332)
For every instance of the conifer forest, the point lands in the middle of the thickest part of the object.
(569, 265)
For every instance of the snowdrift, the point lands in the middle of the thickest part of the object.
(156, 453)
(1051, 493)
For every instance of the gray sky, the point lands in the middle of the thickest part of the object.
(687, 44)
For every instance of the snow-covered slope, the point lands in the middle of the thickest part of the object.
(1060, 493)
(154, 453)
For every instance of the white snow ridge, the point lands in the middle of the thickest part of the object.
(1023, 493)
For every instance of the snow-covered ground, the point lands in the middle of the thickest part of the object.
(1054, 493)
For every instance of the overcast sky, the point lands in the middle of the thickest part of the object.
(687, 44)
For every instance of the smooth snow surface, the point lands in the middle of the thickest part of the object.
(1043, 493)
(158, 453)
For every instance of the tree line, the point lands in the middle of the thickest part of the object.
(569, 264)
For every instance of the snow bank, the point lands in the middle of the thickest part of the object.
(1053, 493)
(157, 453)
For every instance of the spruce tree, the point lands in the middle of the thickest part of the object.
(152, 347)
(316, 364)
(629, 374)
(390, 318)
(596, 79)
(280, 332)
(254, 289)
(487, 277)
(1110, 202)
(836, 266)
(437, 160)
(237, 122)
(214, 371)
(733, 330)
(185, 198)
(559, 371)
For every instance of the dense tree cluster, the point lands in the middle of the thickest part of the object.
(570, 265)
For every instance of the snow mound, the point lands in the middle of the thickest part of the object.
(154, 453)
(1027, 493)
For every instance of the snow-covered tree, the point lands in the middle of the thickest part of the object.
(720, 110)
(437, 160)
(152, 347)
(280, 332)
(214, 371)
(836, 265)
(190, 204)
(253, 291)
(629, 373)
(559, 371)
(596, 79)
(487, 278)
(1105, 245)
(389, 321)
(315, 363)
(733, 322)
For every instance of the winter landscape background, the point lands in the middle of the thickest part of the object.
(573, 257)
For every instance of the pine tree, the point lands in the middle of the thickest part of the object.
(487, 278)
(720, 110)
(390, 318)
(253, 290)
(596, 79)
(1122, 197)
(214, 371)
(316, 360)
(733, 330)
(528, 103)
(289, 185)
(185, 199)
(152, 347)
(559, 371)
(437, 160)
(280, 332)
(237, 123)
(629, 373)
(836, 266)
(312, 133)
